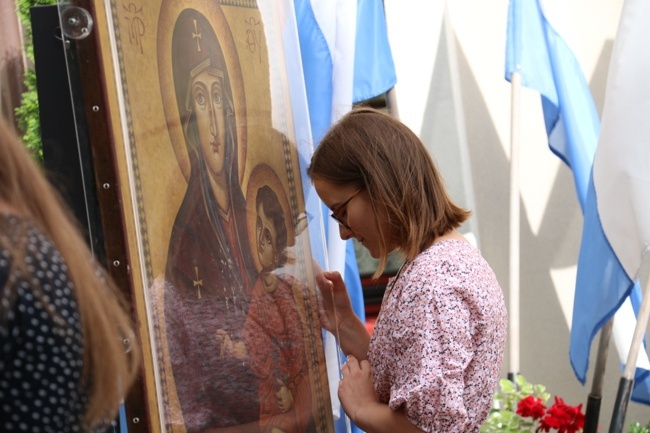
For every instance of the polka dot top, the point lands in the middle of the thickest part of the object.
(437, 346)
(41, 344)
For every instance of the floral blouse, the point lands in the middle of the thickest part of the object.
(437, 346)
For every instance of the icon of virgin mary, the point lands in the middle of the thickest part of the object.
(209, 270)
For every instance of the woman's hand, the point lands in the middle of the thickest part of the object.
(356, 390)
(337, 315)
(335, 299)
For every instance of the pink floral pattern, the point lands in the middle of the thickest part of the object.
(437, 346)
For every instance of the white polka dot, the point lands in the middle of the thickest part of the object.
(45, 382)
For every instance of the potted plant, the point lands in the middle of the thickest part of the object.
(520, 406)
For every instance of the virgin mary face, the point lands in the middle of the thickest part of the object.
(209, 110)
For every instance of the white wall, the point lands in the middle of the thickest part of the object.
(551, 220)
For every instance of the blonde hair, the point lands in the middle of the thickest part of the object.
(109, 371)
(372, 150)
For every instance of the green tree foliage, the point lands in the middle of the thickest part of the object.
(27, 114)
(638, 428)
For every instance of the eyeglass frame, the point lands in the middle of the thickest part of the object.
(334, 213)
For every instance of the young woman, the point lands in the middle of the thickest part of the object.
(63, 363)
(433, 361)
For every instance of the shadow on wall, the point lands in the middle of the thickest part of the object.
(544, 334)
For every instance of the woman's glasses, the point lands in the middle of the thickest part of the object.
(335, 214)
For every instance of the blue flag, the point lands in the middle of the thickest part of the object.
(539, 53)
(374, 70)
(369, 72)
(616, 232)
(346, 58)
(546, 64)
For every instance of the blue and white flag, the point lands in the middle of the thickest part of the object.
(616, 232)
(539, 52)
(346, 59)
(546, 63)
(346, 56)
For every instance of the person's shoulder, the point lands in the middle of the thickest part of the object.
(18, 236)
(14, 229)
(448, 256)
(18, 229)
(446, 249)
(23, 240)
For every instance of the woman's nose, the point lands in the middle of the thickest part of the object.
(344, 232)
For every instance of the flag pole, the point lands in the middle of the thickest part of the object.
(513, 298)
(627, 380)
(594, 399)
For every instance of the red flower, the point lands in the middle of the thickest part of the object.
(563, 418)
(531, 407)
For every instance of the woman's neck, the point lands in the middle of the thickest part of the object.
(220, 193)
(453, 234)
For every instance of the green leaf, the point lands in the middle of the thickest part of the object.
(506, 386)
(636, 427)
(27, 114)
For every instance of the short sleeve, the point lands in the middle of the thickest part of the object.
(438, 343)
(436, 349)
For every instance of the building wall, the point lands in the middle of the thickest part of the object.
(464, 44)
(11, 60)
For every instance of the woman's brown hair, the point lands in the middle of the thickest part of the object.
(109, 370)
(372, 150)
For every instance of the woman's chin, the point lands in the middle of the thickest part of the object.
(373, 251)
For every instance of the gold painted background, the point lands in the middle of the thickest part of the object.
(155, 167)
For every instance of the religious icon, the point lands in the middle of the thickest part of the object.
(273, 335)
(211, 160)
(208, 240)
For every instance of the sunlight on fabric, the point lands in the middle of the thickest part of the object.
(563, 283)
(624, 323)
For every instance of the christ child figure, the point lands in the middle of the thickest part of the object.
(273, 333)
